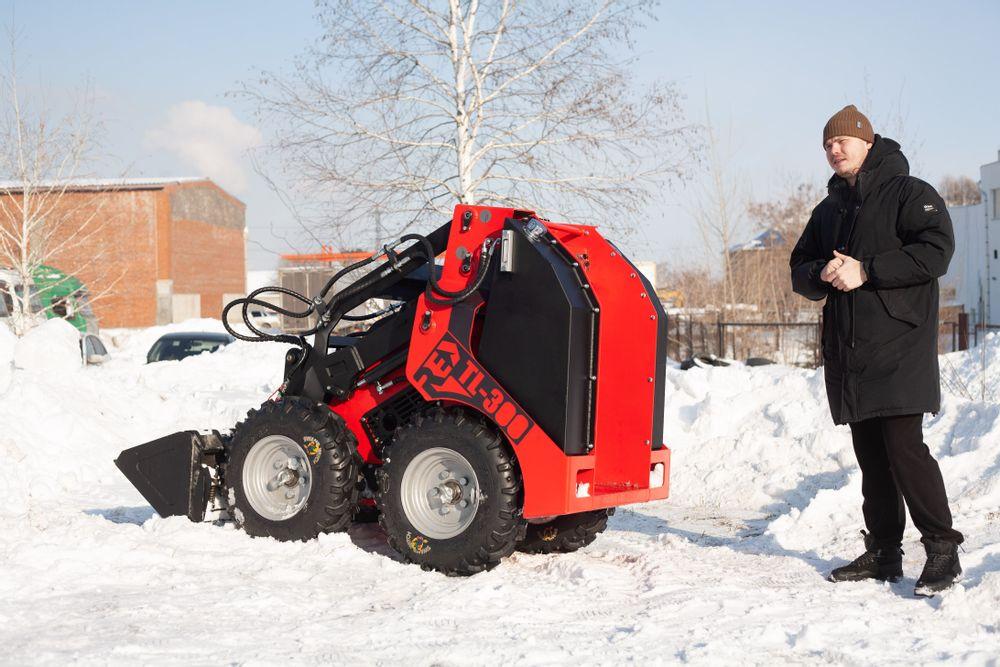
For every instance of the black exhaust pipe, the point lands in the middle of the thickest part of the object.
(172, 472)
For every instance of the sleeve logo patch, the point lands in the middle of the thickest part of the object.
(930, 208)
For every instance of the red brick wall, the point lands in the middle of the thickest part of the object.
(207, 244)
(189, 233)
(107, 240)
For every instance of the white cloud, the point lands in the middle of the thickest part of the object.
(209, 138)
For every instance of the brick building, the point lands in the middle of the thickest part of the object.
(157, 250)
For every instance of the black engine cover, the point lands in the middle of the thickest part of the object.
(538, 338)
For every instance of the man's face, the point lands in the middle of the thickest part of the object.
(846, 154)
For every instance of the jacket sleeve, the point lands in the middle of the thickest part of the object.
(924, 227)
(807, 261)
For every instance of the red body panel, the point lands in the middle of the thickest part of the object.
(360, 403)
(442, 366)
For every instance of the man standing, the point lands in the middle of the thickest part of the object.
(874, 249)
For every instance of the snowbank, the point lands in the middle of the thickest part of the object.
(7, 344)
(52, 347)
(765, 499)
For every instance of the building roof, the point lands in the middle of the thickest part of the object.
(103, 183)
(769, 238)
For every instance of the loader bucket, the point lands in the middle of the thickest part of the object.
(171, 472)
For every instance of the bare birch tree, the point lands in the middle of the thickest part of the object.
(717, 207)
(892, 120)
(408, 108)
(763, 272)
(43, 213)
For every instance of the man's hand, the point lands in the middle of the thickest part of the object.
(828, 273)
(849, 275)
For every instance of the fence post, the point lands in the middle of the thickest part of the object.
(690, 335)
(720, 335)
(963, 331)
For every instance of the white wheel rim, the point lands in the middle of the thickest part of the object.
(440, 493)
(276, 478)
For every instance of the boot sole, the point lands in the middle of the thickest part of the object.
(928, 592)
(892, 579)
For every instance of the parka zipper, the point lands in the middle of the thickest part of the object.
(844, 250)
(853, 319)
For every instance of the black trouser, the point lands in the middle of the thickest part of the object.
(896, 466)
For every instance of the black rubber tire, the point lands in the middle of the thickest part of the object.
(497, 525)
(333, 498)
(565, 533)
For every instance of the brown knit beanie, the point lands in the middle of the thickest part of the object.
(848, 122)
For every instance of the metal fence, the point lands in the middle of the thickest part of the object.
(793, 343)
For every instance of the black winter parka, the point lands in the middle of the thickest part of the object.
(880, 340)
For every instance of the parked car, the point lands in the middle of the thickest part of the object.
(177, 346)
(92, 349)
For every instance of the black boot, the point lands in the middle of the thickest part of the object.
(879, 561)
(941, 570)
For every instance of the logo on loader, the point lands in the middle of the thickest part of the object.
(313, 450)
(418, 543)
(451, 372)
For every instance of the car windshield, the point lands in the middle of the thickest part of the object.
(175, 349)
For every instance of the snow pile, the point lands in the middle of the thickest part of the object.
(765, 499)
(51, 348)
(63, 427)
(7, 343)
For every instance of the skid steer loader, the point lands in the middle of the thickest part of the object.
(509, 397)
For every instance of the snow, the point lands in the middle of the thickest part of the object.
(7, 344)
(261, 278)
(765, 499)
(52, 347)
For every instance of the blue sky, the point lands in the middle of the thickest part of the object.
(769, 73)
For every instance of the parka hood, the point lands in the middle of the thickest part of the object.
(885, 160)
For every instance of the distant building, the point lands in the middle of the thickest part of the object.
(973, 279)
(169, 249)
(759, 276)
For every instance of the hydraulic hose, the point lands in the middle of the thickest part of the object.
(330, 312)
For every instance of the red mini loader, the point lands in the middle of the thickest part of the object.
(509, 398)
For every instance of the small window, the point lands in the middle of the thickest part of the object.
(996, 203)
(994, 254)
(59, 306)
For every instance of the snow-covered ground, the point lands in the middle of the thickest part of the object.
(765, 500)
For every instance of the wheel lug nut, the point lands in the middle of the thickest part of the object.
(464, 481)
(464, 503)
